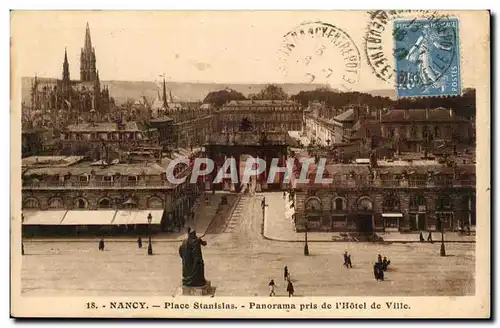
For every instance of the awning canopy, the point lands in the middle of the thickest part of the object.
(137, 217)
(89, 217)
(43, 217)
(392, 215)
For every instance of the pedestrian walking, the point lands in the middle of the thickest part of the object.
(421, 237)
(429, 237)
(286, 273)
(284, 194)
(101, 244)
(139, 242)
(272, 286)
(347, 260)
(290, 289)
(379, 258)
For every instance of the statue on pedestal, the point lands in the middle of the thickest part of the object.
(193, 267)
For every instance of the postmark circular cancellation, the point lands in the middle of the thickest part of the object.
(321, 53)
(416, 50)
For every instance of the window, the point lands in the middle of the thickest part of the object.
(108, 178)
(132, 178)
(56, 203)
(155, 202)
(365, 204)
(390, 132)
(81, 203)
(413, 132)
(444, 203)
(390, 204)
(31, 203)
(84, 178)
(437, 133)
(104, 203)
(339, 204)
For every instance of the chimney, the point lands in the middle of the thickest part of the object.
(427, 113)
(406, 113)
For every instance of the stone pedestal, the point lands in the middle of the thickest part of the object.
(206, 290)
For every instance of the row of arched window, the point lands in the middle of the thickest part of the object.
(83, 203)
(390, 203)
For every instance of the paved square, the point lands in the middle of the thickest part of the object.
(241, 263)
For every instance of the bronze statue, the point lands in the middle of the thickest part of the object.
(193, 268)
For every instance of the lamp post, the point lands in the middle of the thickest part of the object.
(150, 246)
(443, 250)
(306, 246)
(22, 241)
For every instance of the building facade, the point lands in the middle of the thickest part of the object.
(389, 196)
(262, 115)
(57, 183)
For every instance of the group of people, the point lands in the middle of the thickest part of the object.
(380, 267)
(289, 288)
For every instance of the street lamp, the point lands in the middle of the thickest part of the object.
(306, 246)
(22, 241)
(150, 247)
(443, 250)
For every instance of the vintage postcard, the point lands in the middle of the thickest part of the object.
(250, 164)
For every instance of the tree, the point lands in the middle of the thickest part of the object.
(221, 97)
(271, 92)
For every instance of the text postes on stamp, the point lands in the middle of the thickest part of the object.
(426, 55)
(320, 53)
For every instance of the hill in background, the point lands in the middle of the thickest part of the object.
(186, 91)
(182, 91)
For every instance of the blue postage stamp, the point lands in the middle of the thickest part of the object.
(427, 58)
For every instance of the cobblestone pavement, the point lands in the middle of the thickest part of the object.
(240, 262)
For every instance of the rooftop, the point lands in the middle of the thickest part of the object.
(261, 102)
(103, 127)
(417, 114)
(52, 161)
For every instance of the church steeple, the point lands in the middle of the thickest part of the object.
(88, 41)
(65, 76)
(87, 59)
(165, 102)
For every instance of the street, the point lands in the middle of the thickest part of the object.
(240, 262)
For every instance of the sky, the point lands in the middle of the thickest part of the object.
(223, 47)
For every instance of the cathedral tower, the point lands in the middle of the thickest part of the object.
(66, 81)
(87, 59)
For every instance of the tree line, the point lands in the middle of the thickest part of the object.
(464, 105)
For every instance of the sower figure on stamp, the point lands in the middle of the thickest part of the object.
(193, 267)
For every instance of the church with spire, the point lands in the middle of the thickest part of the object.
(74, 97)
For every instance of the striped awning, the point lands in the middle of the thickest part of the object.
(89, 217)
(138, 217)
(43, 217)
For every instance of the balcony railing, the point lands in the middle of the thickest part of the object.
(353, 184)
(98, 185)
